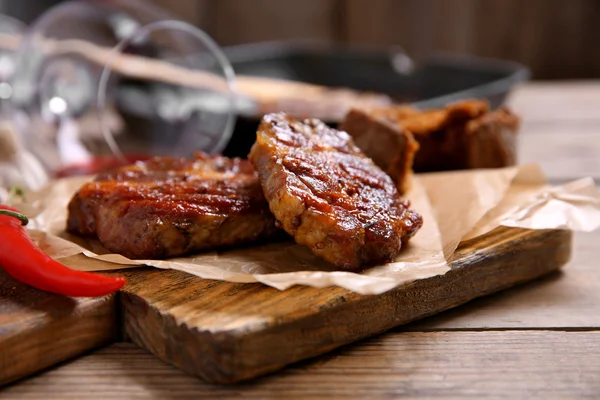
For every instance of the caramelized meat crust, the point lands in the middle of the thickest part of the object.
(390, 146)
(328, 195)
(462, 135)
(168, 207)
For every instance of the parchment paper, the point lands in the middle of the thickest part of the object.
(454, 205)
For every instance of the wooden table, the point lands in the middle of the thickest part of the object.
(540, 340)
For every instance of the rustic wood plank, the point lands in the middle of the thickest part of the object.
(38, 329)
(553, 40)
(226, 332)
(444, 365)
(560, 127)
(240, 21)
(566, 153)
(419, 26)
(404, 23)
(565, 300)
(564, 102)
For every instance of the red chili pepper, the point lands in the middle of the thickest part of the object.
(25, 262)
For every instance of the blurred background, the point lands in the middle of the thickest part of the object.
(89, 84)
(556, 39)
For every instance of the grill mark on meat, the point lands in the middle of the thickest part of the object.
(168, 207)
(328, 195)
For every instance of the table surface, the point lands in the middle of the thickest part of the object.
(539, 340)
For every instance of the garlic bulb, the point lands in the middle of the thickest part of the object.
(18, 167)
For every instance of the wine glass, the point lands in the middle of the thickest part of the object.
(181, 98)
(83, 100)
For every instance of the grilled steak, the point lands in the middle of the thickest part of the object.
(462, 135)
(168, 207)
(328, 195)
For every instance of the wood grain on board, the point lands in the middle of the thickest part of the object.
(441, 365)
(39, 329)
(228, 332)
(566, 300)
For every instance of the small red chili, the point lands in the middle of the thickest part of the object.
(25, 262)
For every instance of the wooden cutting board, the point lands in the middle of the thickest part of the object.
(39, 329)
(226, 332)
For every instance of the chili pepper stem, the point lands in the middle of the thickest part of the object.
(21, 217)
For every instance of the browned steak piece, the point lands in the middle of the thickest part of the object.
(462, 135)
(328, 195)
(168, 207)
(491, 140)
(390, 146)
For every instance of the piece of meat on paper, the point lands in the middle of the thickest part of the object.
(462, 135)
(389, 145)
(328, 195)
(168, 207)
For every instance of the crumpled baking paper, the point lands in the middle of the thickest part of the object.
(455, 206)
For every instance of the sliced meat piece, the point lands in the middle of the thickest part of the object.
(421, 122)
(491, 140)
(390, 146)
(328, 195)
(168, 207)
(463, 135)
